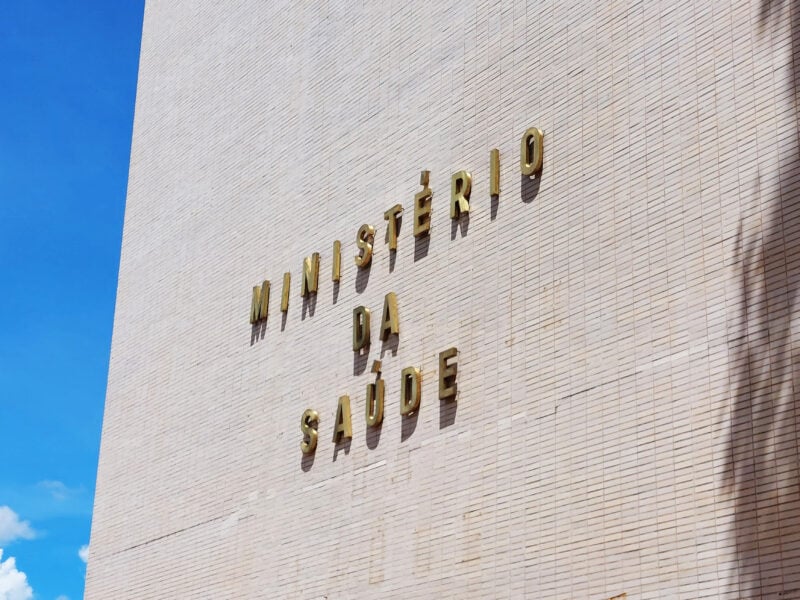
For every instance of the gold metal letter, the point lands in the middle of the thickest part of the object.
(494, 172)
(390, 323)
(344, 426)
(310, 281)
(447, 375)
(360, 328)
(260, 304)
(460, 190)
(287, 282)
(308, 425)
(531, 152)
(391, 229)
(366, 234)
(336, 273)
(422, 206)
(376, 392)
(410, 390)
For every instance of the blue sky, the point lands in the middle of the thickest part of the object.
(68, 72)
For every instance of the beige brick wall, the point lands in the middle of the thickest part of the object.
(626, 420)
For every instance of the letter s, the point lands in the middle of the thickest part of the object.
(308, 425)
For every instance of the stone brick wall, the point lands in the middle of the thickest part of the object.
(626, 417)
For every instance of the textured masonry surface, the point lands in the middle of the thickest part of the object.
(626, 419)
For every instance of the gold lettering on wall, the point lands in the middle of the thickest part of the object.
(310, 280)
(260, 303)
(287, 282)
(531, 161)
(344, 426)
(531, 164)
(494, 172)
(460, 190)
(448, 388)
(336, 270)
(309, 422)
(360, 328)
(531, 151)
(391, 216)
(410, 390)
(422, 206)
(376, 393)
(390, 321)
(364, 239)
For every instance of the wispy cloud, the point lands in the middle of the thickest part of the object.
(48, 499)
(83, 552)
(57, 489)
(13, 528)
(62, 597)
(13, 583)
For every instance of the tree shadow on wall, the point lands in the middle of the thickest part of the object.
(762, 459)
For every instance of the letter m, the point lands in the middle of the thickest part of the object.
(260, 303)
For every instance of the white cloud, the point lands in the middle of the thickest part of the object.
(13, 583)
(12, 528)
(62, 597)
(83, 552)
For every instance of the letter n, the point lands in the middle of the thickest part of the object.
(310, 281)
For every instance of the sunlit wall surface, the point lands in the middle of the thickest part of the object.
(625, 418)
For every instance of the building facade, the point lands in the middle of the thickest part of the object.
(588, 377)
